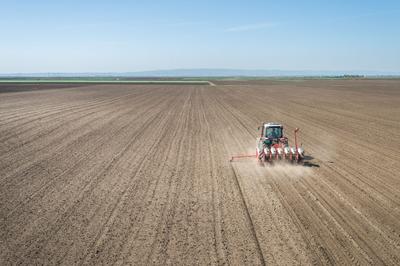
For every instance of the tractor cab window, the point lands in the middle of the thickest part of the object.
(273, 132)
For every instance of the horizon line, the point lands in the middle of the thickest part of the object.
(200, 69)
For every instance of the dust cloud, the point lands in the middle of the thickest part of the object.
(253, 168)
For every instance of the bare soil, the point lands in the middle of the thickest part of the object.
(140, 174)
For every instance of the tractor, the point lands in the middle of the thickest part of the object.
(272, 145)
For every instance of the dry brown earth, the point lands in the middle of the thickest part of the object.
(139, 174)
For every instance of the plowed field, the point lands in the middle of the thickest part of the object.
(140, 174)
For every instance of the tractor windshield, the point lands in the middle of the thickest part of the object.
(273, 132)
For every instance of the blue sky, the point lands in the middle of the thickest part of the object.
(120, 36)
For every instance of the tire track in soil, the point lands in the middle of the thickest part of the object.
(217, 228)
(225, 118)
(252, 228)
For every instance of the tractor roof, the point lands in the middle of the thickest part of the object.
(272, 124)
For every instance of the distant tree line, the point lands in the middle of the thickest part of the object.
(347, 76)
